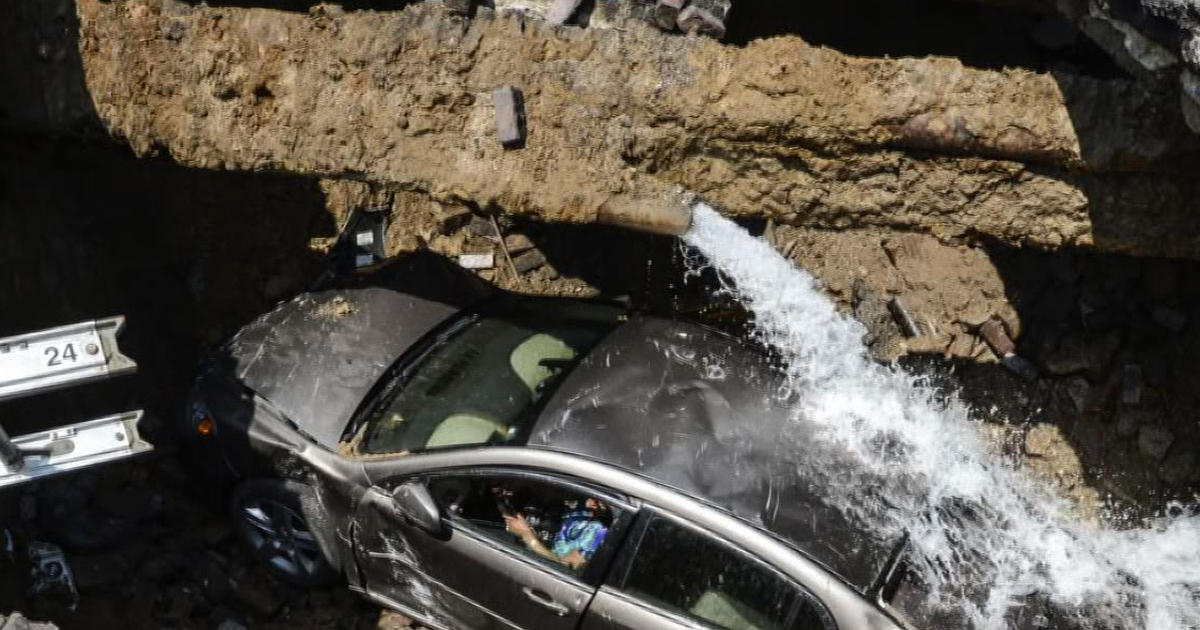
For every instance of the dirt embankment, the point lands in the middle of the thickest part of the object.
(620, 119)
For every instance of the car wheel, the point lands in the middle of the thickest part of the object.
(269, 517)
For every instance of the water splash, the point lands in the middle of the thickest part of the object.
(984, 538)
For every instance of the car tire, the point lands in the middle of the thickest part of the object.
(270, 518)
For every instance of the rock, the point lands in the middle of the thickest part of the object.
(1169, 318)
(993, 332)
(962, 346)
(1178, 468)
(510, 116)
(694, 20)
(666, 13)
(517, 243)
(1020, 367)
(392, 620)
(1154, 442)
(481, 226)
(1041, 440)
(1070, 357)
(561, 11)
(529, 261)
(976, 314)
(1079, 391)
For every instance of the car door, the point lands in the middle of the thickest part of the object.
(670, 575)
(476, 574)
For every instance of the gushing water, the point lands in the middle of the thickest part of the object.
(983, 537)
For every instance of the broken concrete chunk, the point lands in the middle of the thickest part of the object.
(517, 243)
(477, 261)
(1154, 442)
(529, 261)
(696, 20)
(510, 116)
(480, 226)
(993, 332)
(561, 11)
(718, 8)
(666, 13)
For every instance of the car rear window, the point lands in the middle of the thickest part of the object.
(483, 382)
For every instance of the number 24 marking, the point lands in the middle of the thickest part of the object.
(68, 354)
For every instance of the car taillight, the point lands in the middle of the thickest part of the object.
(206, 426)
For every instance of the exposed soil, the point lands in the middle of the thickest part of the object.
(988, 197)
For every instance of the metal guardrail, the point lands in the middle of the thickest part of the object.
(54, 358)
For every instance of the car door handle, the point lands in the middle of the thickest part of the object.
(545, 601)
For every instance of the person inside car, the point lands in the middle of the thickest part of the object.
(580, 533)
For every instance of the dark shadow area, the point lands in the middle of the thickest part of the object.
(981, 36)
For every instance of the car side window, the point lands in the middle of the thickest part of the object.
(561, 525)
(688, 572)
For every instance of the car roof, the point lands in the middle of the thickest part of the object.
(700, 412)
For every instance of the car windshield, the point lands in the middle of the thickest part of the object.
(484, 381)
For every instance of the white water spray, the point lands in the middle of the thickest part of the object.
(983, 536)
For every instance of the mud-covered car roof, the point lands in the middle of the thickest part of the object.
(700, 412)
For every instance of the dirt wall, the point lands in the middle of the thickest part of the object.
(620, 119)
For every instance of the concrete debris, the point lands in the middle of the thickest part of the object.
(510, 116)
(1131, 384)
(517, 243)
(719, 9)
(1154, 442)
(903, 318)
(993, 332)
(561, 11)
(482, 227)
(477, 261)
(694, 20)
(666, 13)
(529, 261)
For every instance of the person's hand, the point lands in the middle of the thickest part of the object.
(517, 524)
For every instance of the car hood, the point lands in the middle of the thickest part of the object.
(315, 357)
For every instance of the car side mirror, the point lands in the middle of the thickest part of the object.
(413, 502)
